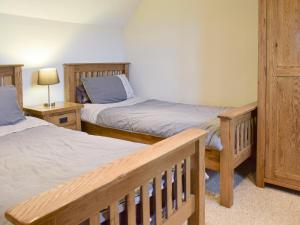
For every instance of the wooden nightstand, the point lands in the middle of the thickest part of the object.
(63, 114)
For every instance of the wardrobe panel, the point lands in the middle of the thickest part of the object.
(287, 31)
(282, 133)
(287, 137)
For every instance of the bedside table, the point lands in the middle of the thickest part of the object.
(63, 114)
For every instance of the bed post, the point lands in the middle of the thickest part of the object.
(226, 164)
(17, 78)
(12, 75)
(126, 70)
(238, 136)
(198, 183)
(70, 94)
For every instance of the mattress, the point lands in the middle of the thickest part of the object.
(36, 156)
(157, 118)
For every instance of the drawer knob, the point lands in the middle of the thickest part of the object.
(63, 120)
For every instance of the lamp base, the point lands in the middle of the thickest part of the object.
(49, 105)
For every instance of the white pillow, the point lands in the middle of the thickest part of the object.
(127, 86)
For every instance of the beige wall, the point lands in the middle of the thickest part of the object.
(194, 51)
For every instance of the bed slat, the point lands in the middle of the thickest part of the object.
(242, 136)
(187, 178)
(145, 205)
(169, 193)
(237, 139)
(131, 211)
(158, 199)
(94, 219)
(179, 185)
(114, 214)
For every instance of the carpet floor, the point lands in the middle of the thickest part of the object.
(255, 206)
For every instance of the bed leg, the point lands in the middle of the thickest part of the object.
(198, 183)
(226, 166)
(226, 183)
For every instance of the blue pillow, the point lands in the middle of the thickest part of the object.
(10, 112)
(103, 90)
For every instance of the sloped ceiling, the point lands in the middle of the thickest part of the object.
(98, 12)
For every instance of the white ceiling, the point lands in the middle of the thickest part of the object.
(99, 12)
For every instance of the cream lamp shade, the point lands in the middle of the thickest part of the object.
(48, 76)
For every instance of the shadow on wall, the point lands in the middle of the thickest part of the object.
(40, 43)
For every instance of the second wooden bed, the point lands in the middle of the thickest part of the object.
(238, 127)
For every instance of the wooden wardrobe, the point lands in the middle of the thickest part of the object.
(278, 156)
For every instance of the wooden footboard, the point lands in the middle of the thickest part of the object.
(238, 134)
(81, 200)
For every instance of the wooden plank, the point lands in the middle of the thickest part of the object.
(188, 177)
(17, 77)
(226, 164)
(238, 138)
(198, 183)
(212, 159)
(94, 219)
(238, 111)
(6, 71)
(119, 134)
(251, 131)
(158, 199)
(145, 204)
(114, 217)
(179, 184)
(169, 193)
(131, 208)
(247, 135)
(11, 65)
(70, 83)
(242, 135)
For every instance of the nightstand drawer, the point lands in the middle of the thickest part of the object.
(65, 119)
(63, 114)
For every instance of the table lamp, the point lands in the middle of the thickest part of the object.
(48, 76)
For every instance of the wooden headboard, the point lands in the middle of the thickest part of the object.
(12, 75)
(75, 72)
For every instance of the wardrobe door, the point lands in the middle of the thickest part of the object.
(283, 93)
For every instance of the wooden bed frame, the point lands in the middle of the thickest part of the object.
(12, 75)
(238, 127)
(80, 200)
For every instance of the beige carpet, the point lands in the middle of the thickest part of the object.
(255, 206)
